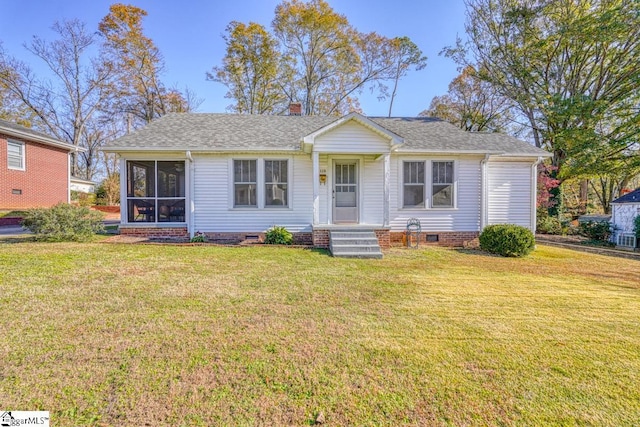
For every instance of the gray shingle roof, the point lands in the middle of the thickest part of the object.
(233, 132)
(633, 197)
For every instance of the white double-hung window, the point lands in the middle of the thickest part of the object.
(414, 185)
(428, 184)
(15, 155)
(260, 183)
(442, 184)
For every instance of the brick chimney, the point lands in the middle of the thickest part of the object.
(295, 109)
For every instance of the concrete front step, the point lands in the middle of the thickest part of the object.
(354, 244)
(354, 241)
(367, 255)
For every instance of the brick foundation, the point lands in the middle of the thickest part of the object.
(321, 239)
(445, 238)
(304, 239)
(178, 233)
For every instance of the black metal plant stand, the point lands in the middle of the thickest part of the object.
(414, 229)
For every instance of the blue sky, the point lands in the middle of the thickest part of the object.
(188, 34)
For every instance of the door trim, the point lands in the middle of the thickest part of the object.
(358, 163)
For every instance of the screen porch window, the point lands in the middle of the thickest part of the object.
(244, 182)
(442, 193)
(413, 194)
(156, 191)
(15, 155)
(275, 182)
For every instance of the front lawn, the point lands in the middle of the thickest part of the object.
(110, 334)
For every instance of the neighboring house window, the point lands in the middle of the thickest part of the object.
(244, 182)
(275, 182)
(15, 155)
(156, 191)
(442, 184)
(413, 196)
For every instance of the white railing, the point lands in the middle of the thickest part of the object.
(627, 240)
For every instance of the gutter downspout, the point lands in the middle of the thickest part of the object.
(192, 207)
(484, 217)
(534, 194)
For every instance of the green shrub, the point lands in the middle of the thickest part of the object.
(278, 236)
(507, 240)
(199, 237)
(636, 226)
(63, 222)
(83, 199)
(595, 230)
(549, 225)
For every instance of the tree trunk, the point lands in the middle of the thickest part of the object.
(584, 196)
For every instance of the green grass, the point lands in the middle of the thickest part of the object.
(107, 334)
(12, 214)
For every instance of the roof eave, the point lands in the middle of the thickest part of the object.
(196, 149)
(40, 139)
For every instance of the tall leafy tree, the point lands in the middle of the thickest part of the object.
(250, 69)
(572, 68)
(314, 57)
(405, 54)
(472, 104)
(64, 105)
(138, 90)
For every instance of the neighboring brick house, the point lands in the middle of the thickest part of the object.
(34, 168)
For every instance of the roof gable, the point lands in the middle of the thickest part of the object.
(391, 138)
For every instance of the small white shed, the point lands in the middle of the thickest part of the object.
(624, 211)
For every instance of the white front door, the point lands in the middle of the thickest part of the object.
(345, 191)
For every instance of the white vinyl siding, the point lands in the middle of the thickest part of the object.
(509, 193)
(15, 155)
(372, 191)
(465, 216)
(213, 196)
(351, 137)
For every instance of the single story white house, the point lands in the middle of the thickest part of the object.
(233, 176)
(624, 211)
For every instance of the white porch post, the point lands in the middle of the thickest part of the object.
(315, 170)
(124, 205)
(534, 194)
(386, 170)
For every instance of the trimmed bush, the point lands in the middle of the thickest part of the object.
(63, 222)
(595, 230)
(278, 236)
(636, 226)
(549, 225)
(507, 240)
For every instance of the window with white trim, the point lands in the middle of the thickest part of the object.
(442, 184)
(245, 183)
(15, 155)
(275, 183)
(155, 191)
(414, 185)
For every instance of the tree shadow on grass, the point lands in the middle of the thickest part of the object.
(22, 238)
